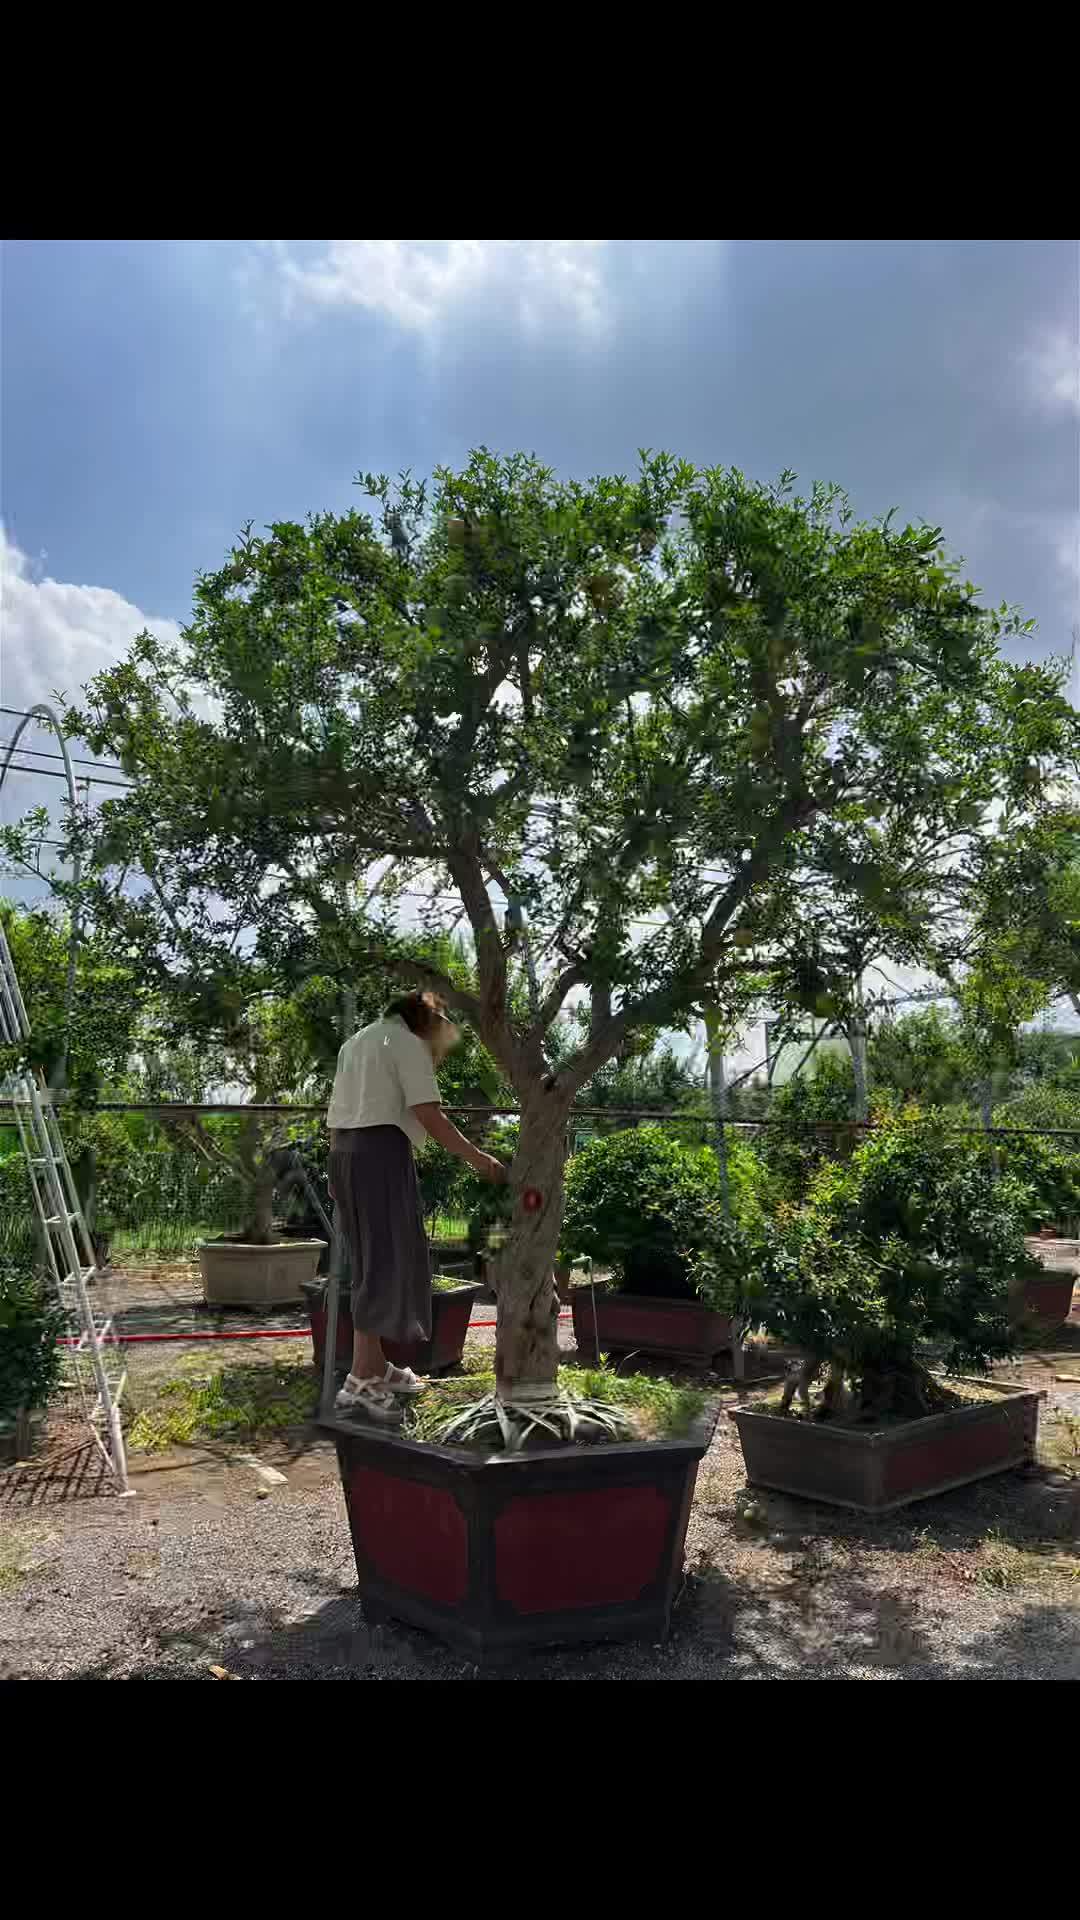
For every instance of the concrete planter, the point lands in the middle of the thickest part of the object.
(875, 1472)
(451, 1311)
(536, 1549)
(237, 1274)
(634, 1322)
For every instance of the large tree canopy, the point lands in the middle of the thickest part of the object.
(640, 732)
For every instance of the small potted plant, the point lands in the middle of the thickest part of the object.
(261, 1266)
(897, 1273)
(29, 1356)
(633, 1200)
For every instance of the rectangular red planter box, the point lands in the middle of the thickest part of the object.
(874, 1472)
(534, 1549)
(451, 1311)
(635, 1322)
(1048, 1297)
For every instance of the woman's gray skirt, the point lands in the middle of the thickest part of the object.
(373, 1176)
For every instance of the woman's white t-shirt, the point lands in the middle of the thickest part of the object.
(382, 1072)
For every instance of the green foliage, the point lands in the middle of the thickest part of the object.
(793, 1146)
(29, 1325)
(105, 1010)
(17, 1229)
(911, 1242)
(921, 1056)
(1047, 1166)
(489, 1207)
(656, 1079)
(706, 675)
(635, 1199)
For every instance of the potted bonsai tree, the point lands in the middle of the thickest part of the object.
(257, 1042)
(556, 707)
(908, 1255)
(634, 1201)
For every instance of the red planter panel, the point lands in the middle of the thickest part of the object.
(410, 1534)
(570, 1550)
(1048, 1299)
(629, 1322)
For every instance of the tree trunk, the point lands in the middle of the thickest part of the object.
(856, 1037)
(986, 1115)
(526, 1340)
(262, 1208)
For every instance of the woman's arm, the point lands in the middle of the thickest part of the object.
(434, 1121)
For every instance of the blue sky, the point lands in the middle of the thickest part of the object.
(156, 394)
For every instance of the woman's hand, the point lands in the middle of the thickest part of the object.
(491, 1169)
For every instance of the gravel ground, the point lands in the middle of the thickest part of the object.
(206, 1570)
(210, 1573)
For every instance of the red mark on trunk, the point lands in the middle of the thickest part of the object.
(532, 1199)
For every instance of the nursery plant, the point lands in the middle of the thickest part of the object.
(905, 1256)
(634, 1200)
(626, 726)
(29, 1325)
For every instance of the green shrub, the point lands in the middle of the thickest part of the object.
(1048, 1165)
(912, 1243)
(29, 1325)
(636, 1201)
(17, 1226)
(791, 1148)
(445, 1182)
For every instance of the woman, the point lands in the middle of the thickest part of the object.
(385, 1099)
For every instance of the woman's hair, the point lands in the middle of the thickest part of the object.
(421, 1012)
(425, 1014)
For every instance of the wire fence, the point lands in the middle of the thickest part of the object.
(157, 1197)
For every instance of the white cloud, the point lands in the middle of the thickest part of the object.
(54, 636)
(422, 284)
(1052, 367)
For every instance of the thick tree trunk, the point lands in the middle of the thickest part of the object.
(526, 1340)
(856, 1037)
(262, 1208)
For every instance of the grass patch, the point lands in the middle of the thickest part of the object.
(16, 1557)
(450, 1226)
(660, 1409)
(235, 1403)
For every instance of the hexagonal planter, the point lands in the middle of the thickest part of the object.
(498, 1554)
(237, 1273)
(877, 1471)
(681, 1330)
(451, 1311)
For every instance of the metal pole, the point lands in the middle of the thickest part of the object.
(718, 1089)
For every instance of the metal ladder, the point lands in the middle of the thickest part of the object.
(94, 1367)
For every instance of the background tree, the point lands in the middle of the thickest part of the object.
(680, 691)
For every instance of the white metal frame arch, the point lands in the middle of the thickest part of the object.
(41, 711)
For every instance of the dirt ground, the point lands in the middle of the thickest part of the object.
(219, 1569)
